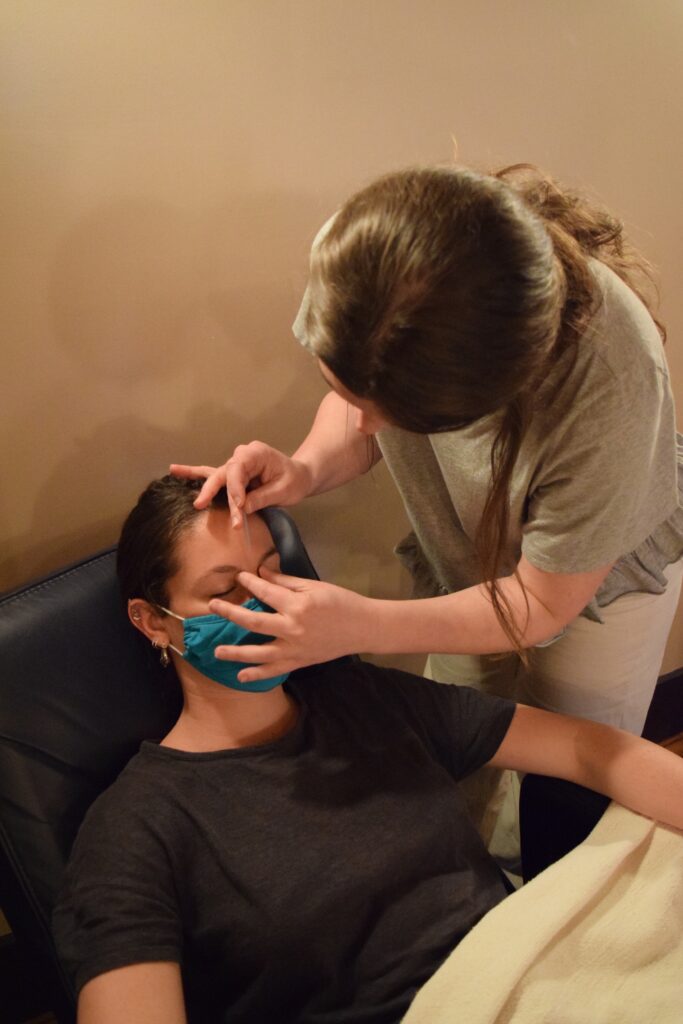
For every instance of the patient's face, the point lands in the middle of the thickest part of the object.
(210, 553)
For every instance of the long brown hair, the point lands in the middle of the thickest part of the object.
(444, 295)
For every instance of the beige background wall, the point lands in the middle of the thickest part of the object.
(164, 168)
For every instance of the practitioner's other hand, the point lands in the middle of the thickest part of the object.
(255, 475)
(312, 622)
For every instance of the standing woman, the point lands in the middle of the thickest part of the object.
(491, 338)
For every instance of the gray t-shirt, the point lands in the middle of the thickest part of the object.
(321, 877)
(599, 477)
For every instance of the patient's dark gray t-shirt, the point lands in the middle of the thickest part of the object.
(319, 878)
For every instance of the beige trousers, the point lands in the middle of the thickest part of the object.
(603, 671)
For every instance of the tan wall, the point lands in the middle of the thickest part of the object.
(164, 167)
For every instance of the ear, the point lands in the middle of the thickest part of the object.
(149, 620)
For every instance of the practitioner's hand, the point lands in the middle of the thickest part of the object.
(255, 475)
(312, 622)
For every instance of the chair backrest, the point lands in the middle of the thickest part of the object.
(79, 691)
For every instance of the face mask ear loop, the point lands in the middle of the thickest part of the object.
(175, 616)
(181, 619)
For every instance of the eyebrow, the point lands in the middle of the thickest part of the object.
(234, 568)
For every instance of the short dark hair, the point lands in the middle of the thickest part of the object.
(146, 557)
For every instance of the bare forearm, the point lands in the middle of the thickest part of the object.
(144, 993)
(461, 623)
(541, 604)
(334, 451)
(634, 772)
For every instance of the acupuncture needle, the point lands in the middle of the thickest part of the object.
(245, 519)
(247, 532)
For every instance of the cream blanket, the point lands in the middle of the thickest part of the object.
(597, 938)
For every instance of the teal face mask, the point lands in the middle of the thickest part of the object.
(203, 633)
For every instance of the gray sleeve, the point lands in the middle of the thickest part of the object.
(607, 477)
(117, 905)
(462, 726)
(299, 325)
(478, 725)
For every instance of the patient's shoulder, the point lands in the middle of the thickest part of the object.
(341, 680)
(359, 688)
(458, 724)
(127, 807)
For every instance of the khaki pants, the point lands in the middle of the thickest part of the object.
(488, 789)
(603, 671)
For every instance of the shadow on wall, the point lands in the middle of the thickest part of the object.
(100, 479)
(159, 342)
(171, 342)
(135, 281)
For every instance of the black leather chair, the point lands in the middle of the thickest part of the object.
(79, 690)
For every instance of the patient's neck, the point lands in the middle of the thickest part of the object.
(216, 717)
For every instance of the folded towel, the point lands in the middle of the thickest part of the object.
(597, 938)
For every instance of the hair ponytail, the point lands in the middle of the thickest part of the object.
(444, 295)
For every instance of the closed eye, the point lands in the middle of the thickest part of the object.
(271, 559)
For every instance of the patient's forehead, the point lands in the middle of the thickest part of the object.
(211, 540)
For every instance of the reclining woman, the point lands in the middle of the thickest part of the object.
(295, 849)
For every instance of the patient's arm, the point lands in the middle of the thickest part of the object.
(137, 994)
(639, 774)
